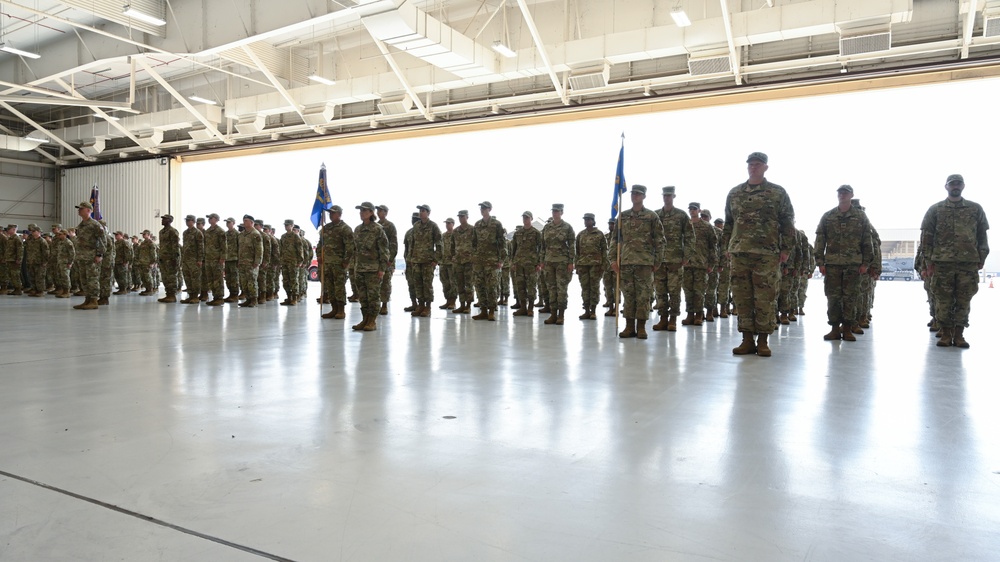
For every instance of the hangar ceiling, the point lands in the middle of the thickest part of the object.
(97, 80)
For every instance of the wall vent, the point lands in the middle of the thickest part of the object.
(590, 78)
(700, 66)
(869, 43)
(991, 26)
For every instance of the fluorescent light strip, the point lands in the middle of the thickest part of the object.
(33, 139)
(108, 117)
(13, 51)
(680, 17)
(131, 12)
(504, 50)
(322, 79)
(200, 99)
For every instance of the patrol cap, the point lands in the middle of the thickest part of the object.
(117, 232)
(719, 221)
(103, 222)
(32, 226)
(213, 216)
(528, 214)
(200, 220)
(463, 213)
(190, 218)
(10, 226)
(146, 232)
(415, 216)
(383, 208)
(289, 222)
(694, 205)
(61, 232)
(846, 188)
(296, 226)
(245, 217)
(486, 204)
(706, 214)
(230, 219)
(558, 207)
(611, 221)
(259, 221)
(85, 205)
(955, 178)
(366, 206)
(589, 216)
(336, 209)
(168, 217)
(759, 156)
(637, 188)
(266, 226)
(57, 226)
(424, 207)
(669, 190)
(449, 220)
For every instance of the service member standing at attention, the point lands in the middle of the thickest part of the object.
(712, 287)
(678, 247)
(216, 251)
(203, 294)
(526, 250)
(591, 259)
(491, 250)
(192, 258)
(385, 293)
(696, 272)
(13, 256)
(145, 259)
(251, 246)
(424, 255)
(843, 250)
(464, 242)
(36, 256)
(725, 273)
(408, 267)
(232, 261)
(292, 257)
(370, 261)
(123, 263)
(90, 253)
(759, 231)
(610, 278)
(336, 256)
(65, 253)
(558, 260)
(447, 265)
(641, 251)
(953, 237)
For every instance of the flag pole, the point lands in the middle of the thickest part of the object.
(618, 234)
(322, 257)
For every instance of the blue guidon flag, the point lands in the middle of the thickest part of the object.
(323, 200)
(95, 200)
(620, 185)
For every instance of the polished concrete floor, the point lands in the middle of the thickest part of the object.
(152, 432)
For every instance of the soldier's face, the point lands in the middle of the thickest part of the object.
(589, 223)
(366, 215)
(668, 200)
(424, 215)
(450, 226)
(164, 222)
(247, 224)
(955, 188)
(556, 215)
(526, 221)
(288, 228)
(756, 170)
(485, 211)
(695, 213)
(844, 197)
(334, 217)
(463, 219)
(230, 225)
(213, 221)
(189, 223)
(381, 214)
(637, 197)
(36, 234)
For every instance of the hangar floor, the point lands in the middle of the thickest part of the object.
(146, 431)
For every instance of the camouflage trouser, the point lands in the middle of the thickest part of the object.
(290, 279)
(192, 276)
(668, 280)
(60, 276)
(368, 290)
(590, 284)
(74, 276)
(930, 295)
(335, 283)
(755, 284)
(487, 282)
(411, 286)
(786, 293)
(525, 280)
(303, 277)
(50, 267)
(145, 275)
(3, 275)
(14, 275)
(712, 290)
(157, 276)
(695, 282)
(447, 281)
(423, 281)
(248, 276)
(610, 278)
(232, 277)
(36, 271)
(385, 286)
(352, 276)
(867, 296)
(262, 289)
(722, 295)
(90, 277)
(505, 282)
(213, 279)
(953, 285)
(557, 278)
(123, 277)
(272, 277)
(842, 286)
(637, 286)
(464, 278)
(543, 287)
(107, 272)
(803, 286)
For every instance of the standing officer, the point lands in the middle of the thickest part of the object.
(725, 274)
(232, 261)
(216, 252)
(955, 245)
(701, 263)
(712, 287)
(123, 263)
(90, 253)
(447, 266)
(145, 258)
(203, 293)
(385, 293)
(424, 255)
(490, 242)
(558, 260)
(370, 263)
(640, 246)
(292, 258)
(464, 244)
(192, 258)
(526, 251)
(13, 256)
(591, 259)
(36, 256)
(65, 254)
(251, 246)
(805, 272)
(843, 250)
(759, 232)
(411, 286)
(336, 256)
(609, 274)
(678, 247)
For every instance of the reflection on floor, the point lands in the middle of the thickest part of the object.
(268, 433)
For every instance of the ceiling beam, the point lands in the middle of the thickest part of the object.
(537, 38)
(967, 26)
(78, 102)
(274, 81)
(97, 109)
(183, 101)
(734, 55)
(402, 79)
(55, 138)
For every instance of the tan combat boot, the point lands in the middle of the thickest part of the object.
(483, 315)
(856, 329)
(413, 306)
(747, 347)
(762, 349)
(492, 317)
(629, 331)
(385, 309)
(361, 325)
(531, 310)
(834, 333)
(672, 323)
(946, 337)
(251, 302)
(425, 310)
(216, 302)
(699, 318)
(783, 319)
(847, 333)
(545, 309)
(370, 324)
(640, 329)
(958, 337)
(338, 310)
(612, 311)
(82, 304)
(103, 301)
(688, 320)
(710, 314)
(523, 311)
(586, 314)
(171, 297)
(560, 316)
(89, 304)
(792, 317)
(724, 312)
(662, 324)
(331, 314)
(553, 316)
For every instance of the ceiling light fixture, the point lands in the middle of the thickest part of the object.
(108, 117)
(200, 99)
(680, 17)
(36, 139)
(131, 12)
(7, 47)
(503, 50)
(321, 79)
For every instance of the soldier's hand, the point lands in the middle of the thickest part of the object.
(863, 269)
(930, 269)
(614, 266)
(570, 268)
(822, 269)
(380, 274)
(98, 259)
(783, 257)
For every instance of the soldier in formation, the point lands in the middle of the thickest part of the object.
(558, 261)
(490, 249)
(640, 246)
(591, 260)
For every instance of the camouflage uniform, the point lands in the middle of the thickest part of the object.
(385, 290)
(107, 265)
(447, 267)
(843, 245)
(36, 257)
(591, 259)
(411, 285)
(526, 251)
(251, 254)
(192, 256)
(370, 259)
(920, 263)
(307, 251)
(806, 271)
(123, 264)
(464, 257)
(703, 257)
(558, 259)
(425, 253)
(91, 245)
(504, 289)
(3, 263)
(145, 257)
(610, 277)
(641, 249)
(216, 252)
(275, 270)
(336, 254)
(678, 249)
(64, 254)
(786, 290)
(490, 243)
(232, 259)
(13, 256)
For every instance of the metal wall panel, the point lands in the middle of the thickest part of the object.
(27, 195)
(133, 194)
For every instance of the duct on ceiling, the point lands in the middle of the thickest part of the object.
(17, 144)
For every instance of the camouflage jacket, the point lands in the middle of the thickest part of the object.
(251, 247)
(64, 252)
(526, 248)
(90, 240)
(194, 245)
(678, 234)
(232, 245)
(426, 245)
(447, 247)
(292, 252)
(759, 220)
(146, 254)
(407, 244)
(36, 251)
(808, 262)
(336, 243)
(558, 243)
(843, 238)
(170, 243)
(390, 233)
(110, 254)
(706, 245)
(372, 248)
(307, 249)
(463, 244)
(15, 250)
(490, 241)
(123, 251)
(722, 261)
(955, 232)
(591, 248)
(216, 244)
(641, 238)
(275, 249)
